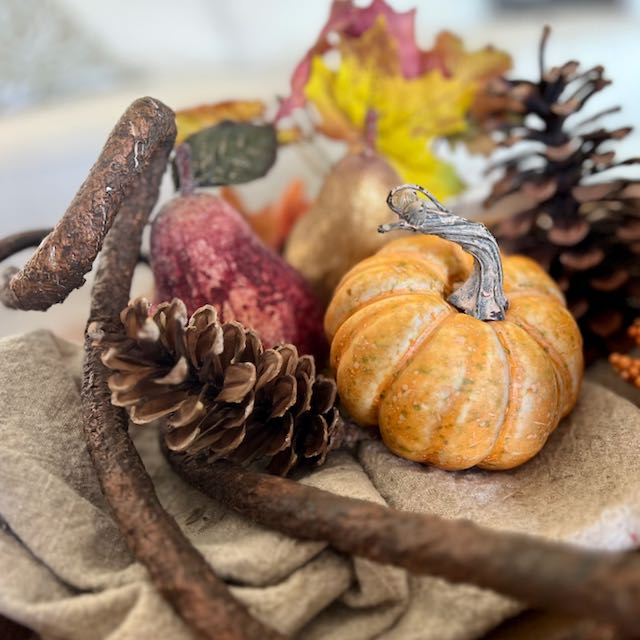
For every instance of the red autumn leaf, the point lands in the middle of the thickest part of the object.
(346, 19)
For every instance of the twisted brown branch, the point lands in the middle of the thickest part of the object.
(553, 576)
(10, 245)
(20, 241)
(124, 183)
(69, 251)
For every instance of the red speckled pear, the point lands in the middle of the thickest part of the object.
(204, 252)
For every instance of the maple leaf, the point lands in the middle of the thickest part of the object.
(367, 97)
(388, 94)
(349, 20)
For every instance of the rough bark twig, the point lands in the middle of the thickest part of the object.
(556, 577)
(13, 244)
(129, 172)
(69, 251)
(20, 241)
(10, 245)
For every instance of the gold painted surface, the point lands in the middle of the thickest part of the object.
(341, 228)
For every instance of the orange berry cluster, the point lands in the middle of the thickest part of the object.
(627, 367)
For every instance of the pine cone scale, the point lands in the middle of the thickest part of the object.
(189, 411)
(176, 375)
(283, 395)
(157, 407)
(239, 379)
(269, 368)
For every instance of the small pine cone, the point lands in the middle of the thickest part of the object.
(221, 393)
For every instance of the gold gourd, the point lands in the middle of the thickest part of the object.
(484, 387)
(340, 229)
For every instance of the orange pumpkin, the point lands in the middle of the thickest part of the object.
(447, 388)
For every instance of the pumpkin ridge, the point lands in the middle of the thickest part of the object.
(510, 396)
(361, 286)
(507, 452)
(382, 263)
(422, 260)
(384, 295)
(563, 377)
(448, 415)
(428, 332)
(499, 419)
(351, 356)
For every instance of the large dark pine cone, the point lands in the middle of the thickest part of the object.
(554, 203)
(221, 393)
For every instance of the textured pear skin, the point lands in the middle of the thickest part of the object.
(204, 252)
(340, 229)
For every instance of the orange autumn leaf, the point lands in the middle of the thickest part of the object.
(478, 67)
(273, 222)
(193, 119)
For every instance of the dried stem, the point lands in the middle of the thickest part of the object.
(482, 295)
(542, 47)
(552, 576)
(131, 166)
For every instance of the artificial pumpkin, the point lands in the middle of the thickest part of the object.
(447, 388)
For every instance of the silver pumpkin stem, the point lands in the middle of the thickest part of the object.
(482, 295)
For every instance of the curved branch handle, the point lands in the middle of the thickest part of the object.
(145, 130)
(122, 189)
(482, 295)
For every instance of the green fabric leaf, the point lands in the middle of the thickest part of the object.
(231, 153)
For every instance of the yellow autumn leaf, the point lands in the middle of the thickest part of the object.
(408, 114)
(192, 120)
(418, 165)
(332, 103)
(414, 114)
(473, 67)
(289, 135)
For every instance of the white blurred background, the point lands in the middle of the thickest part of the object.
(68, 68)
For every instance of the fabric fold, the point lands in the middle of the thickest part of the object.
(66, 573)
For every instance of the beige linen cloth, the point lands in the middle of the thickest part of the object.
(66, 573)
